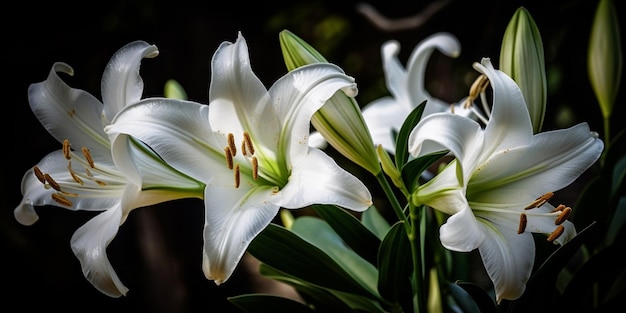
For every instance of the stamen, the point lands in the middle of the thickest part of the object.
(255, 168)
(563, 216)
(523, 221)
(480, 85)
(248, 142)
(561, 207)
(52, 182)
(39, 174)
(74, 176)
(237, 178)
(229, 158)
(88, 157)
(540, 201)
(556, 233)
(231, 144)
(66, 149)
(61, 199)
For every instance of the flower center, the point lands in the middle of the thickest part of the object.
(560, 214)
(247, 150)
(62, 196)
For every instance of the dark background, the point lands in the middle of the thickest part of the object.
(157, 252)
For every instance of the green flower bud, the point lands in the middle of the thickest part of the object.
(522, 58)
(604, 63)
(339, 121)
(174, 90)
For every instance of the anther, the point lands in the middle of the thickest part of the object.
(229, 158)
(88, 157)
(523, 220)
(540, 201)
(231, 144)
(561, 207)
(248, 142)
(255, 168)
(61, 200)
(66, 149)
(558, 231)
(52, 182)
(39, 174)
(563, 216)
(74, 176)
(237, 178)
(479, 85)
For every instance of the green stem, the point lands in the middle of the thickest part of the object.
(393, 200)
(607, 137)
(419, 301)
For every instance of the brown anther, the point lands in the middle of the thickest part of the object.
(61, 199)
(558, 231)
(39, 174)
(480, 84)
(248, 142)
(561, 207)
(255, 168)
(100, 183)
(229, 158)
(563, 216)
(231, 144)
(88, 157)
(523, 220)
(66, 149)
(74, 176)
(540, 201)
(237, 178)
(452, 108)
(52, 182)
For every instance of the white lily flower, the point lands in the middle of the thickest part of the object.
(496, 190)
(83, 176)
(250, 147)
(385, 116)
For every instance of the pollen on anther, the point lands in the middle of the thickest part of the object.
(229, 158)
(237, 177)
(88, 157)
(61, 199)
(563, 216)
(66, 149)
(52, 182)
(231, 144)
(540, 201)
(39, 174)
(74, 176)
(248, 142)
(561, 207)
(255, 168)
(558, 231)
(523, 221)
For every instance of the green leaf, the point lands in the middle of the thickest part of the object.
(402, 152)
(260, 303)
(349, 228)
(463, 295)
(396, 267)
(288, 252)
(619, 172)
(617, 223)
(317, 232)
(412, 171)
(375, 222)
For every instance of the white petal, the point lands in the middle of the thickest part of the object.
(384, 117)
(69, 113)
(462, 232)
(299, 94)
(416, 69)
(178, 130)
(396, 77)
(552, 161)
(121, 83)
(317, 179)
(446, 131)
(233, 217)
(89, 244)
(509, 124)
(508, 258)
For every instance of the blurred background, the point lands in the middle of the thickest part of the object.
(157, 252)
